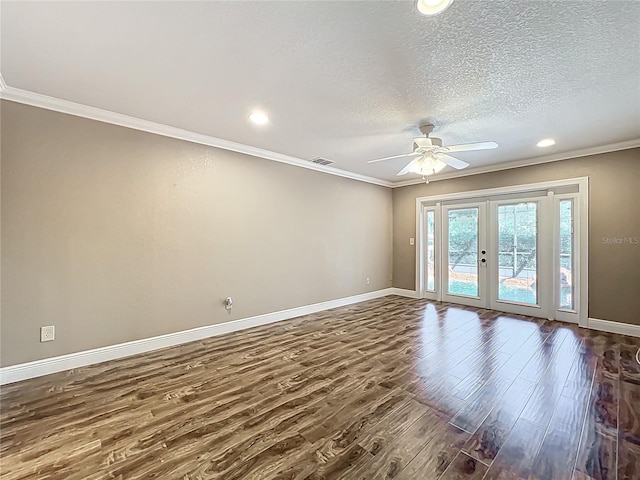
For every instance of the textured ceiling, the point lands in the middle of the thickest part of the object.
(346, 81)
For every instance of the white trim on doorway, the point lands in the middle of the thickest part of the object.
(581, 184)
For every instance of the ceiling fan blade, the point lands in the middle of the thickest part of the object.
(406, 168)
(452, 161)
(393, 156)
(472, 146)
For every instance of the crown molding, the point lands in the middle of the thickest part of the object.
(71, 108)
(526, 162)
(106, 116)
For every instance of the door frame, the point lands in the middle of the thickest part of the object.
(581, 186)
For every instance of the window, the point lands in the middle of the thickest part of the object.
(431, 253)
(566, 280)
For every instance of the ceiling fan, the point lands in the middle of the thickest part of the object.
(432, 157)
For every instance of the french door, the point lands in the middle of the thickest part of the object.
(494, 253)
(464, 243)
(521, 262)
(520, 249)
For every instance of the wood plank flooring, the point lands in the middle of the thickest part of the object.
(389, 388)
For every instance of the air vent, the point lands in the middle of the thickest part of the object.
(322, 161)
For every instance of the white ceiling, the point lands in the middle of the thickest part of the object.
(347, 81)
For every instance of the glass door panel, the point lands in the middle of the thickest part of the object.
(431, 251)
(565, 282)
(463, 252)
(517, 252)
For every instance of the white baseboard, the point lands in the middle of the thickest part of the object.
(404, 293)
(614, 327)
(38, 368)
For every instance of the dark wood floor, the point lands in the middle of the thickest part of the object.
(390, 388)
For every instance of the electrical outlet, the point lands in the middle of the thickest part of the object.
(368, 281)
(48, 333)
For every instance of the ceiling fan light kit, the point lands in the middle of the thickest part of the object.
(426, 165)
(432, 7)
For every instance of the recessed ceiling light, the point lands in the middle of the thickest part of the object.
(433, 7)
(547, 142)
(258, 118)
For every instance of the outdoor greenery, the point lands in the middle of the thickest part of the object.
(517, 237)
(566, 234)
(463, 237)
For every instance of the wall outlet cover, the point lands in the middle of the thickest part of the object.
(48, 333)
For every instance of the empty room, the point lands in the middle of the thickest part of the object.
(313, 240)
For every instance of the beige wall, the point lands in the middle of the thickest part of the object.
(113, 235)
(614, 211)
